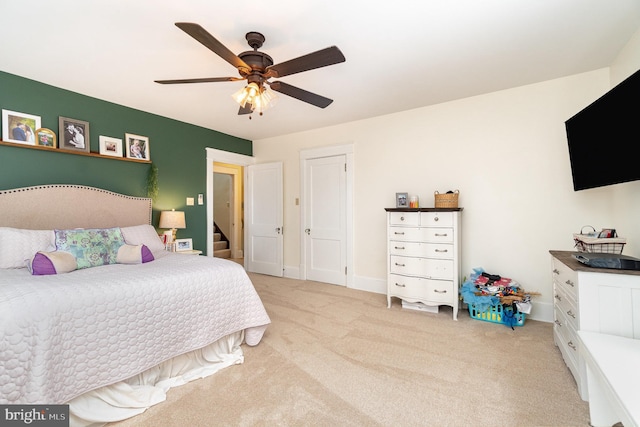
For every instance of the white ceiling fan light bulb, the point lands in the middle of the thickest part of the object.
(246, 94)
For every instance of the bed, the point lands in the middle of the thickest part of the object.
(110, 339)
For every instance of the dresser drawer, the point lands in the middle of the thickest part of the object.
(422, 267)
(566, 278)
(404, 218)
(437, 291)
(406, 234)
(566, 338)
(436, 219)
(438, 235)
(565, 304)
(425, 250)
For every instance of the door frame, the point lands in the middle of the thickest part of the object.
(314, 153)
(219, 156)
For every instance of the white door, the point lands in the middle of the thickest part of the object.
(264, 253)
(325, 220)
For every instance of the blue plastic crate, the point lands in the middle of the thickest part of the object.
(498, 314)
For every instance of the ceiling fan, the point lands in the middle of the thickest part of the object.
(257, 68)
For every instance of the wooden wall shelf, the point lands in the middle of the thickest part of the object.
(79, 153)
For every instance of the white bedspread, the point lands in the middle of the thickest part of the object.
(63, 335)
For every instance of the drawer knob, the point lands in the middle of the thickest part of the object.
(441, 235)
(399, 247)
(400, 233)
(400, 286)
(572, 345)
(570, 283)
(401, 218)
(555, 271)
(436, 219)
(557, 322)
(570, 313)
(558, 297)
(440, 292)
(400, 265)
(442, 250)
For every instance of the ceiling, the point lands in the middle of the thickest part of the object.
(400, 54)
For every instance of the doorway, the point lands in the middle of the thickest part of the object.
(260, 208)
(228, 211)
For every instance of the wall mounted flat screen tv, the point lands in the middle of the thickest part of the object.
(605, 136)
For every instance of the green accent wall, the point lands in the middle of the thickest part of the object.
(176, 148)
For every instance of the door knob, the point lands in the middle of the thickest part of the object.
(278, 230)
(307, 230)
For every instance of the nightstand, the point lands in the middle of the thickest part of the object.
(190, 252)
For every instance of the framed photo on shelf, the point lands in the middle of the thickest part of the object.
(137, 146)
(402, 200)
(46, 138)
(74, 134)
(19, 128)
(110, 146)
(184, 245)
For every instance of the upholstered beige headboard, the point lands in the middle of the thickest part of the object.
(65, 206)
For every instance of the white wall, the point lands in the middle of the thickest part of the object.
(507, 154)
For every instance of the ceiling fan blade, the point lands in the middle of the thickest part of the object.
(245, 110)
(203, 80)
(321, 58)
(301, 94)
(210, 42)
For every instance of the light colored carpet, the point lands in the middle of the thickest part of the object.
(339, 357)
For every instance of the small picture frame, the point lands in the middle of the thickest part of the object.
(46, 138)
(19, 128)
(137, 146)
(74, 134)
(184, 245)
(402, 200)
(110, 146)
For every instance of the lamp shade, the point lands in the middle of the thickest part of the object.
(172, 219)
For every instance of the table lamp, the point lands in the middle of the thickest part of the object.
(172, 219)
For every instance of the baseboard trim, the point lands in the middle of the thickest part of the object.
(541, 311)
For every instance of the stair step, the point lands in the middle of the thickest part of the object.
(223, 253)
(220, 245)
(217, 237)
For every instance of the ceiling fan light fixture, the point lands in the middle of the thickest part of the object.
(259, 98)
(246, 94)
(266, 99)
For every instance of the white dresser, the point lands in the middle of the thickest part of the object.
(423, 256)
(594, 300)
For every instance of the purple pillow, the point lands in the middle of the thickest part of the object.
(57, 262)
(134, 254)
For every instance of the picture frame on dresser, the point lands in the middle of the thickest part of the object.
(19, 128)
(73, 134)
(402, 200)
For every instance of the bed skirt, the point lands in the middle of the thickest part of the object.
(135, 395)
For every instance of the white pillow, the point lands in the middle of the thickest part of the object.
(143, 234)
(17, 246)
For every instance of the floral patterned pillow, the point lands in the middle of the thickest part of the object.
(91, 246)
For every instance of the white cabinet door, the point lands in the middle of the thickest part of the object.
(264, 250)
